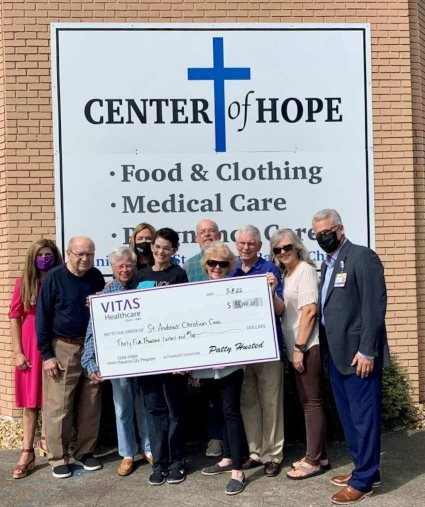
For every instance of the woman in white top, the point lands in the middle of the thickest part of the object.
(301, 333)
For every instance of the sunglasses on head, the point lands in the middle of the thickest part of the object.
(213, 264)
(285, 248)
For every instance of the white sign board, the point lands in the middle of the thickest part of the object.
(184, 327)
(244, 124)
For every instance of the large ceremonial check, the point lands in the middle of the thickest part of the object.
(184, 327)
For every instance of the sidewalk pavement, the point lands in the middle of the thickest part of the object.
(403, 482)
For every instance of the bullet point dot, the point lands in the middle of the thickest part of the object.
(114, 235)
(112, 173)
(113, 204)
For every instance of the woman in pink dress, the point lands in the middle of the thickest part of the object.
(41, 256)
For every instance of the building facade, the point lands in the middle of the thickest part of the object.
(398, 85)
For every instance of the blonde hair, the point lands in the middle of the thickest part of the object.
(31, 275)
(218, 249)
(137, 229)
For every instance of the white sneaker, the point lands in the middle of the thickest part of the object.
(61, 471)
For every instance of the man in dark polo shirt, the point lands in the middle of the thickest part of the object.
(61, 323)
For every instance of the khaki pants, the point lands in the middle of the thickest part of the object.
(262, 410)
(61, 394)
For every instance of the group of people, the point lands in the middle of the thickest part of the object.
(338, 322)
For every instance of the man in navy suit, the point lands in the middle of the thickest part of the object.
(352, 306)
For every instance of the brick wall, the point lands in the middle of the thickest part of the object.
(417, 23)
(5, 380)
(26, 136)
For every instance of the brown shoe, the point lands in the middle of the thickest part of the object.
(349, 495)
(342, 480)
(251, 463)
(271, 468)
(126, 467)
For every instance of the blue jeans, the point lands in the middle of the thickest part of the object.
(127, 395)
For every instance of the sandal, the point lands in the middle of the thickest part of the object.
(324, 464)
(42, 448)
(22, 471)
(305, 471)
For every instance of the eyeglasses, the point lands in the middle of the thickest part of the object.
(165, 249)
(213, 264)
(244, 244)
(81, 255)
(328, 231)
(285, 248)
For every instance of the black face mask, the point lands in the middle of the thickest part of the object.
(143, 249)
(329, 242)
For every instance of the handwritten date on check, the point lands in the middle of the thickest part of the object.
(184, 327)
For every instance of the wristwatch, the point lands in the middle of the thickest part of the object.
(300, 348)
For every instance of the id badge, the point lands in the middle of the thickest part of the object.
(340, 280)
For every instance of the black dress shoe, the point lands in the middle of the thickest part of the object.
(271, 468)
(251, 463)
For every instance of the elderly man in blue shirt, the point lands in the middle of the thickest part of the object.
(262, 391)
(125, 390)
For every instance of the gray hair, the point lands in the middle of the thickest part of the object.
(213, 224)
(119, 253)
(327, 213)
(249, 229)
(295, 240)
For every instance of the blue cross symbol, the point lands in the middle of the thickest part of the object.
(219, 74)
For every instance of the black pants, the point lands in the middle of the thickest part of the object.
(233, 431)
(213, 410)
(164, 397)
